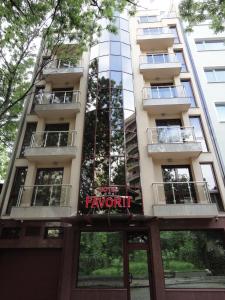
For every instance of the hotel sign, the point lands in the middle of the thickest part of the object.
(108, 198)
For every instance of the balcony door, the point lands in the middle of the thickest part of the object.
(178, 185)
(56, 135)
(47, 189)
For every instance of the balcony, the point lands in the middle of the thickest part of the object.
(185, 199)
(159, 66)
(58, 68)
(51, 146)
(159, 38)
(56, 104)
(43, 201)
(168, 99)
(172, 141)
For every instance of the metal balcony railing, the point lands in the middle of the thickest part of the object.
(158, 58)
(53, 139)
(171, 134)
(58, 97)
(183, 192)
(164, 92)
(44, 195)
(153, 31)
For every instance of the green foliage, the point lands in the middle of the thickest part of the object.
(23, 25)
(176, 265)
(195, 12)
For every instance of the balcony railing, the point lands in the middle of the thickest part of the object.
(62, 64)
(160, 58)
(164, 92)
(153, 31)
(44, 195)
(53, 139)
(58, 97)
(171, 134)
(186, 192)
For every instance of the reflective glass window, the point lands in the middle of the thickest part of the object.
(220, 108)
(210, 75)
(193, 259)
(94, 51)
(103, 63)
(100, 260)
(180, 58)
(124, 24)
(128, 100)
(104, 36)
(173, 28)
(116, 79)
(115, 36)
(189, 91)
(104, 48)
(115, 63)
(101, 174)
(124, 36)
(116, 98)
(126, 65)
(125, 49)
(117, 119)
(115, 48)
(117, 169)
(127, 82)
(198, 131)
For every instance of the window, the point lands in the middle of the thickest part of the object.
(180, 58)
(215, 75)
(173, 29)
(101, 260)
(220, 108)
(115, 48)
(209, 176)
(198, 131)
(189, 91)
(193, 259)
(19, 180)
(104, 48)
(30, 129)
(148, 19)
(207, 45)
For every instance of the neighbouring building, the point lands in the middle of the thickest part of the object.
(115, 190)
(207, 52)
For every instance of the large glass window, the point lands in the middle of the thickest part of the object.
(180, 58)
(100, 260)
(220, 108)
(193, 259)
(215, 75)
(189, 91)
(207, 45)
(209, 176)
(198, 131)
(147, 19)
(115, 63)
(30, 129)
(104, 48)
(173, 28)
(19, 180)
(115, 48)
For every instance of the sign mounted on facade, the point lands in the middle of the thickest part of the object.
(108, 199)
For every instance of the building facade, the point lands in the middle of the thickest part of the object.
(115, 189)
(207, 51)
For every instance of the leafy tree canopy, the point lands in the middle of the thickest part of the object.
(195, 12)
(24, 23)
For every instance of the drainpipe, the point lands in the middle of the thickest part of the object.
(204, 105)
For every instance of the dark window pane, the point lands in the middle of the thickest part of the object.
(117, 119)
(101, 260)
(115, 48)
(19, 180)
(117, 98)
(117, 143)
(117, 170)
(193, 259)
(30, 129)
(10, 233)
(102, 133)
(196, 123)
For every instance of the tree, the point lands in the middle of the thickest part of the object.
(24, 24)
(195, 12)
